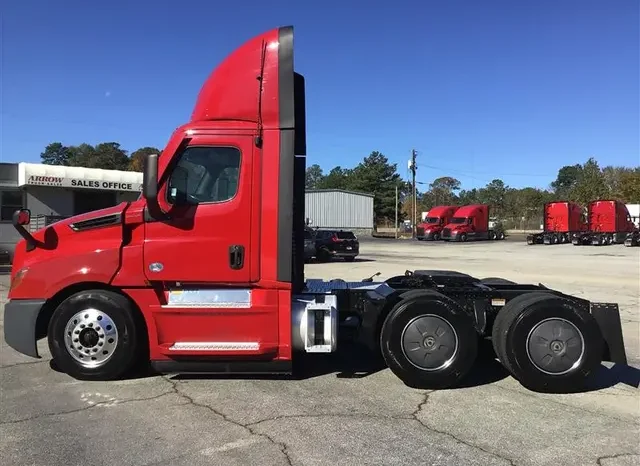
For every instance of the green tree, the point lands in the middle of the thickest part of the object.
(591, 184)
(375, 175)
(337, 178)
(313, 177)
(566, 181)
(136, 161)
(443, 191)
(494, 194)
(56, 154)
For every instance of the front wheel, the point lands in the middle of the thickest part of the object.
(93, 335)
(428, 341)
(436, 236)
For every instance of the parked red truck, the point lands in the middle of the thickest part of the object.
(472, 222)
(437, 218)
(164, 280)
(562, 220)
(608, 222)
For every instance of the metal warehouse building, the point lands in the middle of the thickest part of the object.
(335, 208)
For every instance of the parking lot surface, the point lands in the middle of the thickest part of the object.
(339, 409)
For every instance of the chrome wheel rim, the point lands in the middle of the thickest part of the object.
(429, 342)
(91, 337)
(555, 346)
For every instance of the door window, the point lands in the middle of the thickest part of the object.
(205, 174)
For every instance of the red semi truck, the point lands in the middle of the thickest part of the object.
(608, 222)
(434, 222)
(472, 222)
(562, 220)
(162, 280)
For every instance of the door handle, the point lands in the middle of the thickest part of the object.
(236, 256)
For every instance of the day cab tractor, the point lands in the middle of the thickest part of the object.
(435, 220)
(472, 223)
(562, 220)
(161, 280)
(608, 222)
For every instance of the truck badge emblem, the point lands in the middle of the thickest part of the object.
(156, 267)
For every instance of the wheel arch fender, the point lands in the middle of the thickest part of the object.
(54, 302)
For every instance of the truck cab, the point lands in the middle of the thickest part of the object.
(472, 222)
(204, 272)
(435, 220)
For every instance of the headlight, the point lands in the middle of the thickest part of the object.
(17, 279)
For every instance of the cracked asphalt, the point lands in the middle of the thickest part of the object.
(341, 409)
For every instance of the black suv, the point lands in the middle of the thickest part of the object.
(309, 244)
(336, 243)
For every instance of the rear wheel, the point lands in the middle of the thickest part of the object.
(547, 342)
(492, 235)
(93, 335)
(429, 341)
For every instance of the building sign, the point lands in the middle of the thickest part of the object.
(62, 182)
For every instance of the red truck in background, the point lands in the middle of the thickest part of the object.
(608, 222)
(163, 281)
(562, 220)
(437, 218)
(472, 222)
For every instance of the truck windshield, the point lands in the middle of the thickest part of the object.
(458, 220)
(431, 220)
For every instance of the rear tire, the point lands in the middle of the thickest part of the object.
(93, 335)
(428, 341)
(547, 343)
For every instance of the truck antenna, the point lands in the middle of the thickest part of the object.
(258, 139)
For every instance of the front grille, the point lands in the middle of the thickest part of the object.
(420, 231)
(446, 233)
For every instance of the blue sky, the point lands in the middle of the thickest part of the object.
(483, 90)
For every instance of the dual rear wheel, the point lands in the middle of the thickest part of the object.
(544, 340)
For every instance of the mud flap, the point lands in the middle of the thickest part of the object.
(608, 317)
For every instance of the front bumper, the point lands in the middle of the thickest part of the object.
(452, 236)
(427, 235)
(20, 318)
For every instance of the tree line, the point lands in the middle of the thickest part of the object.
(375, 175)
(105, 155)
(580, 183)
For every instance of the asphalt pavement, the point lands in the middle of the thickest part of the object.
(342, 409)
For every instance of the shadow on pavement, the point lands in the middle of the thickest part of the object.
(355, 362)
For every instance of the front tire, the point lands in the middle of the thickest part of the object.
(547, 343)
(428, 341)
(93, 335)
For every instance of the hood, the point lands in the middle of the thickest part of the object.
(58, 236)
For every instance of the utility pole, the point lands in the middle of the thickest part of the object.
(413, 168)
(396, 224)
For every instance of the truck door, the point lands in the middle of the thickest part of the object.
(207, 193)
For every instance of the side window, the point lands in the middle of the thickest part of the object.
(10, 201)
(204, 174)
